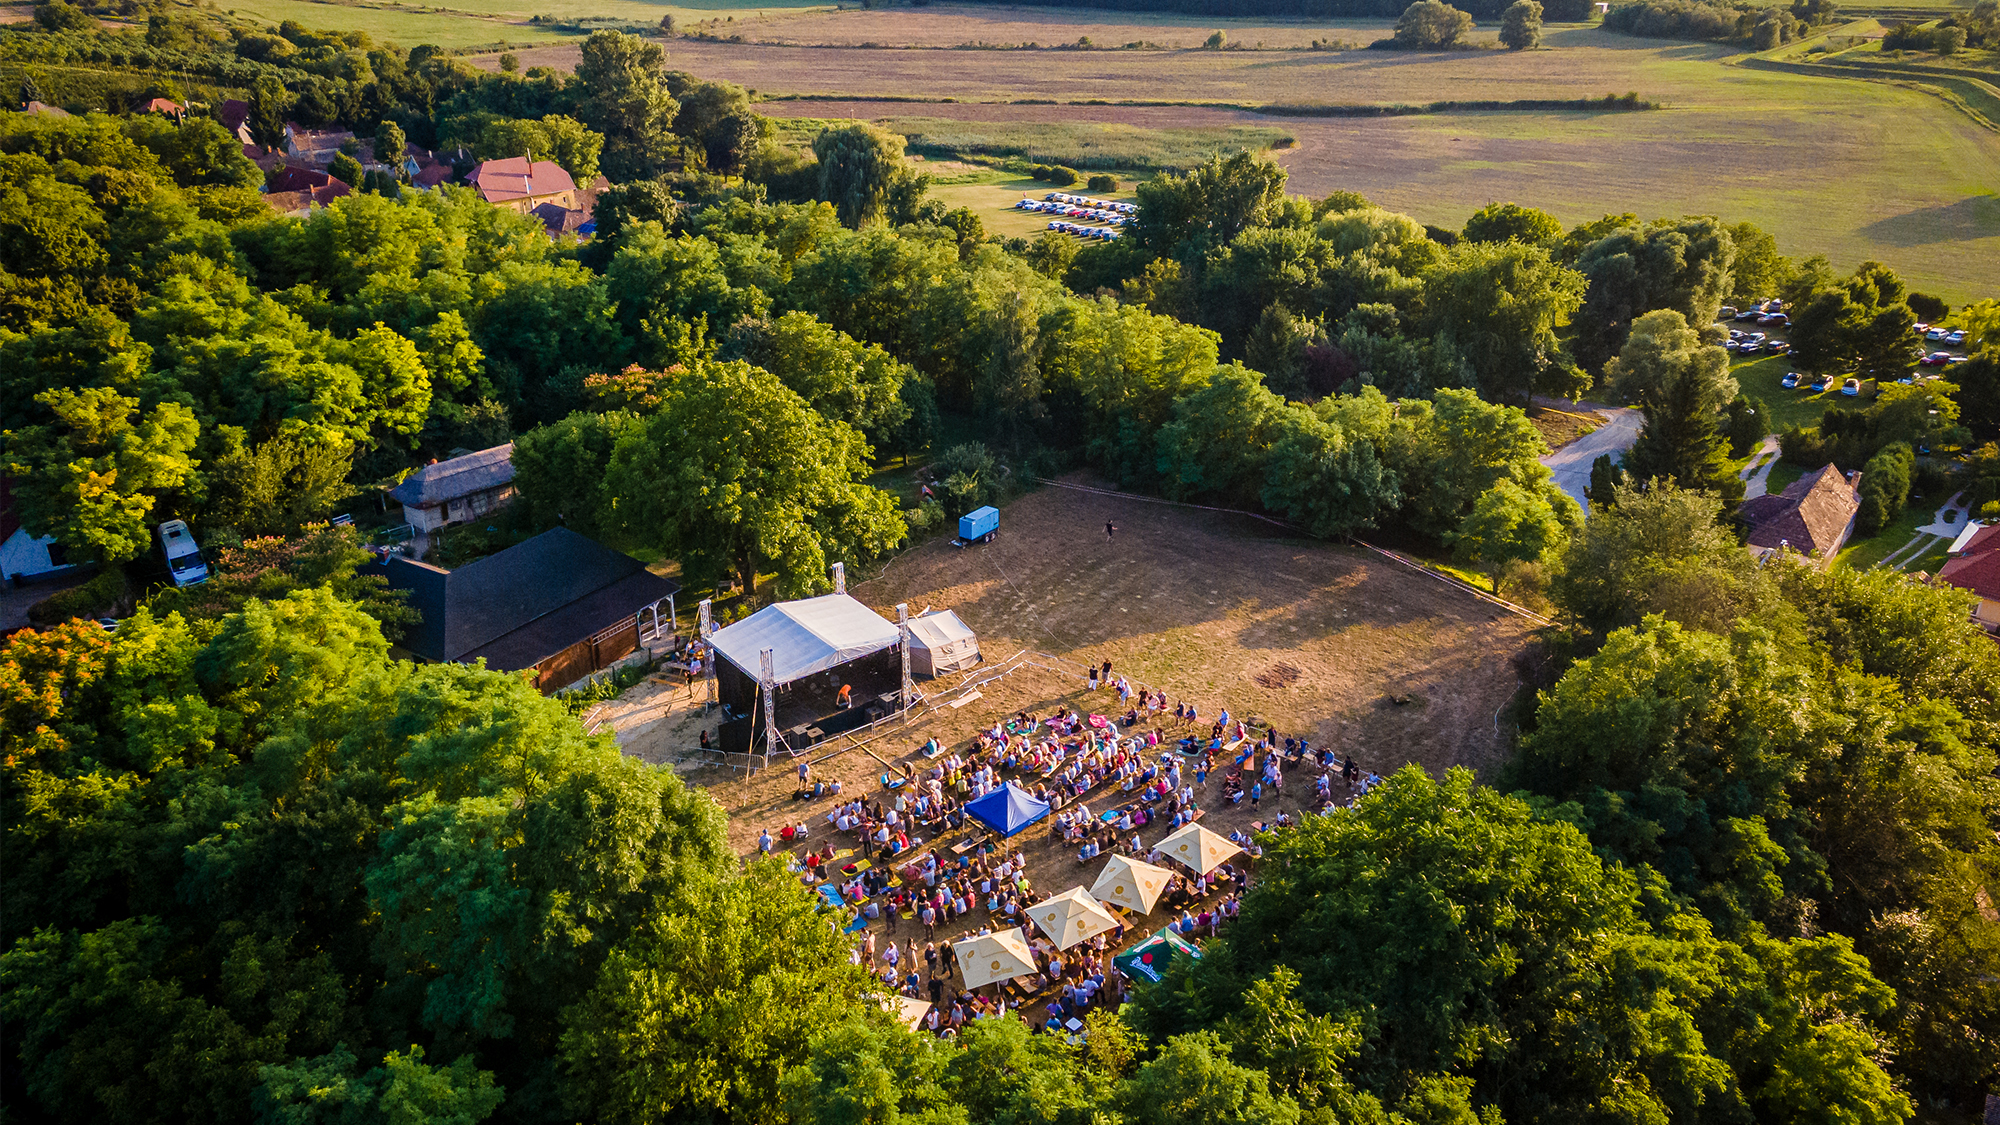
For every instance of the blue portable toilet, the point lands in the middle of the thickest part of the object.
(978, 526)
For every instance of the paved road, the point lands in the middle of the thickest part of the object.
(1571, 463)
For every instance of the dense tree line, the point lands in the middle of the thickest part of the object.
(257, 870)
(1761, 26)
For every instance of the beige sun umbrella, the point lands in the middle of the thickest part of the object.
(1131, 882)
(1001, 956)
(1198, 848)
(1071, 917)
(907, 1009)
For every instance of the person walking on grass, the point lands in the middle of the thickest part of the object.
(1110, 529)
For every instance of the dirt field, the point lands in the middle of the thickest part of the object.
(1197, 604)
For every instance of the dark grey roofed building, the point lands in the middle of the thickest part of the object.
(463, 488)
(559, 603)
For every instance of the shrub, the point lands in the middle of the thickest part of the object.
(99, 595)
(1103, 183)
(967, 477)
(1063, 175)
(1746, 426)
(1216, 41)
(1521, 25)
(1928, 308)
(1885, 487)
(1429, 25)
(924, 517)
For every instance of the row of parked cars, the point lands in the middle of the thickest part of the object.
(1953, 336)
(1072, 211)
(1762, 312)
(1094, 204)
(1101, 234)
(1752, 343)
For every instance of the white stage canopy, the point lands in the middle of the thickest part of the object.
(807, 636)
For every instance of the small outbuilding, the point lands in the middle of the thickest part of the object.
(942, 643)
(463, 488)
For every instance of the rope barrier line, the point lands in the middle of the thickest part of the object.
(1456, 584)
(1171, 503)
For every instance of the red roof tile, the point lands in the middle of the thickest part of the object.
(1811, 516)
(514, 178)
(1977, 567)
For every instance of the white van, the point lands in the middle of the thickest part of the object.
(184, 561)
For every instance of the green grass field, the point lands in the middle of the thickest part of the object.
(1760, 379)
(991, 195)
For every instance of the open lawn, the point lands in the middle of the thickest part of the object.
(1214, 609)
(1759, 379)
(992, 196)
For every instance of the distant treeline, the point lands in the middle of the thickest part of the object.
(1559, 11)
(1611, 102)
(1764, 27)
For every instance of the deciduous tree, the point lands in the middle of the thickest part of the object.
(736, 468)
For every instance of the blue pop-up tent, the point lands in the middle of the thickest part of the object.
(1007, 809)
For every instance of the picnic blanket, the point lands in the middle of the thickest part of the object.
(1099, 721)
(831, 895)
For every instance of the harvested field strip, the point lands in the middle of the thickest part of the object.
(1609, 103)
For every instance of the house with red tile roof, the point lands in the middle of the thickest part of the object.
(1813, 516)
(162, 106)
(290, 178)
(299, 203)
(1974, 566)
(520, 184)
(317, 147)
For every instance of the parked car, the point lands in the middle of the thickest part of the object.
(1749, 314)
(1821, 383)
(1936, 359)
(1956, 337)
(1936, 334)
(1791, 380)
(184, 562)
(1780, 347)
(1851, 387)
(1726, 312)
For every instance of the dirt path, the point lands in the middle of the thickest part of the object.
(1571, 464)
